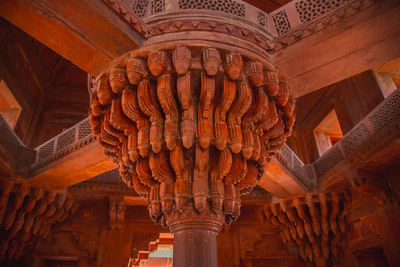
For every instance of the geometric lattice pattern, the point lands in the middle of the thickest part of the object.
(84, 129)
(195, 248)
(310, 9)
(298, 166)
(281, 22)
(110, 177)
(227, 6)
(66, 139)
(332, 157)
(8, 139)
(354, 139)
(387, 112)
(157, 6)
(139, 7)
(262, 18)
(46, 150)
(286, 154)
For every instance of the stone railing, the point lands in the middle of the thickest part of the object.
(299, 12)
(386, 113)
(12, 151)
(146, 9)
(63, 144)
(303, 173)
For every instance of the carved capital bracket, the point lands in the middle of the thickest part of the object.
(314, 224)
(191, 128)
(27, 213)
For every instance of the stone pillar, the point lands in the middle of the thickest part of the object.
(195, 246)
(180, 123)
(195, 238)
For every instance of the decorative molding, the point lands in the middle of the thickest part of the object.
(210, 26)
(129, 17)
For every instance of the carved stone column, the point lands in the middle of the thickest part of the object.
(195, 238)
(192, 125)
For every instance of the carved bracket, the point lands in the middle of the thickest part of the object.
(28, 213)
(314, 224)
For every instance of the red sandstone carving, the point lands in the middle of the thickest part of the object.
(27, 213)
(157, 62)
(147, 103)
(170, 109)
(255, 73)
(117, 79)
(184, 89)
(271, 80)
(131, 109)
(225, 101)
(205, 111)
(316, 239)
(135, 70)
(234, 65)
(181, 59)
(239, 108)
(211, 61)
(103, 90)
(196, 175)
(142, 116)
(253, 116)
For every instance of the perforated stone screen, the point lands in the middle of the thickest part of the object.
(227, 6)
(311, 9)
(281, 22)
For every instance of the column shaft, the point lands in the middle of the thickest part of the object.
(195, 248)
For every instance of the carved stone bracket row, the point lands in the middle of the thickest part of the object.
(314, 224)
(27, 213)
(191, 127)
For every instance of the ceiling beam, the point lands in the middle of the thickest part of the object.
(78, 166)
(357, 43)
(86, 32)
